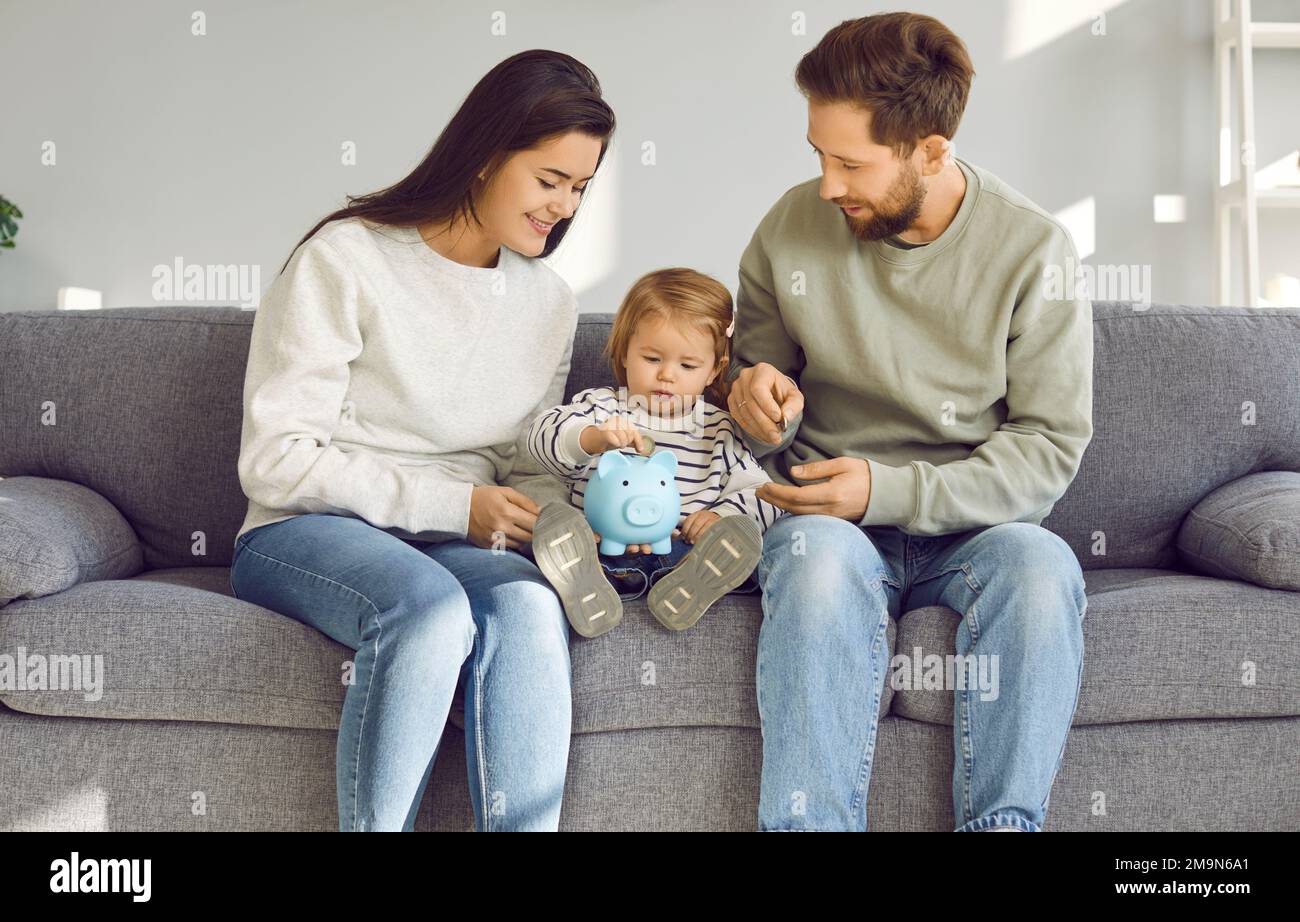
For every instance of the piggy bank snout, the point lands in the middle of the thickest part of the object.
(643, 510)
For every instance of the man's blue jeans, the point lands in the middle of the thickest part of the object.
(828, 587)
(421, 616)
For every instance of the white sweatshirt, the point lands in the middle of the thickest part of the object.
(385, 381)
(715, 470)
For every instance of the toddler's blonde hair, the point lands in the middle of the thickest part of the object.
(681, 297)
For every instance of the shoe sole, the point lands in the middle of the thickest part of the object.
(719, 562)
(565, 550)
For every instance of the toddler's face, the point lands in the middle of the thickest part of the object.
(664, 361)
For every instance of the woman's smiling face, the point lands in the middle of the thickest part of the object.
(536, 188)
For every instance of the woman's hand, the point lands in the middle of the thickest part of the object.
(764, 401)
(500, 516)
(615, 432)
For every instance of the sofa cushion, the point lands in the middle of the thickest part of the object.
(177, 645)
(643, 675)
(1248, 529)
(1158, 645)
(55, 534)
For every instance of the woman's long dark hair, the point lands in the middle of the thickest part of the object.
(528, 98)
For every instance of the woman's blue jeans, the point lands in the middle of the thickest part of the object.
(828, 587)
(634, 575)
(421, 617)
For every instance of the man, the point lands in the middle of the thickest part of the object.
(938, 402)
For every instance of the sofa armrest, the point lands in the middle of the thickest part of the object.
(1248, 529)
(55, 534)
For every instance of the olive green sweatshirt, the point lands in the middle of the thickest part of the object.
(953, 368)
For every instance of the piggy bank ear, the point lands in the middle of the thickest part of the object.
(611, 462)
(665, 459)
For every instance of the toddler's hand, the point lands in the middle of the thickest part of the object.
(615, 432)
(697, 523)
(631, 548)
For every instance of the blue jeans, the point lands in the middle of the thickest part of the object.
(828, 587)
(421, 617)
(634, 575)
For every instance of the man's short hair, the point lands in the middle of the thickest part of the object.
(909, 70)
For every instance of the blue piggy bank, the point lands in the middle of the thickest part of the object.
(632, 499)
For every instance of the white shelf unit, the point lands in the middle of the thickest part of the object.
(1236, 185)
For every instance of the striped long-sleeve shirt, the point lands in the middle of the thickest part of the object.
(715, 469)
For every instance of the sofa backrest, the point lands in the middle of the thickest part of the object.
(1185, 399)
(144, 405)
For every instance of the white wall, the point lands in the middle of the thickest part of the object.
(225, 148)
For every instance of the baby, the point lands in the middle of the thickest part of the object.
(669, 350)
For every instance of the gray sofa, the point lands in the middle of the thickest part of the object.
(119, 432)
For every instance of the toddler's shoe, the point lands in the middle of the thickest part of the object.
(720, 561)
(565, 550)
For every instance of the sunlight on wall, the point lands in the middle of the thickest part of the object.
(1169, 209)
(1081, 221)
(1225, 155)
(80, 299)
(1031, 24)
(590, 249)
(1281, 173)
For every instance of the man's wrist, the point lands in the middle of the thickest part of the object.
(899, 489)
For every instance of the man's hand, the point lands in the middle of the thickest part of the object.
(697, 523)
(500, 509)
(845, 495)
(760, 397)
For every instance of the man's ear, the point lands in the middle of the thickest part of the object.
(936, 151)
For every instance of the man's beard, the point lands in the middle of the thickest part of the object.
(901, 207)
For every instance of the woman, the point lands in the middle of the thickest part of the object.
(395, 365)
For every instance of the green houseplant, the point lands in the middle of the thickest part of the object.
(8, 225)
